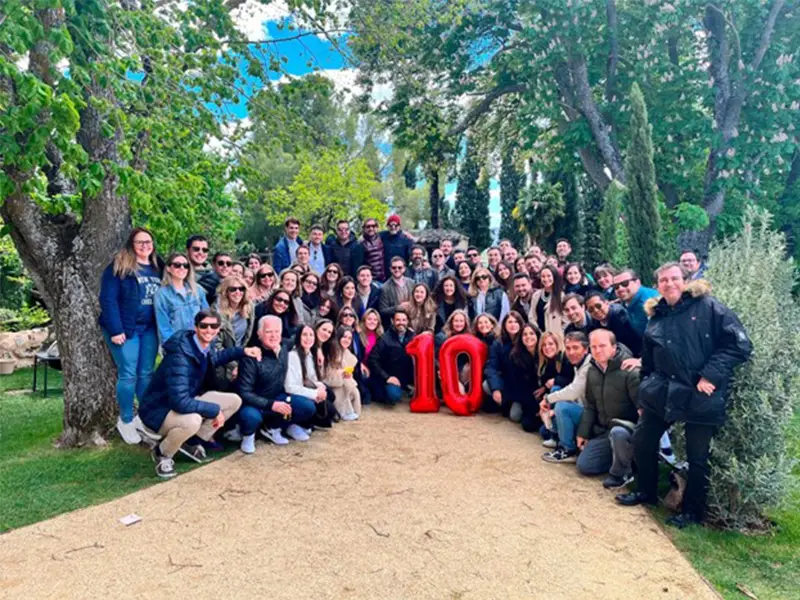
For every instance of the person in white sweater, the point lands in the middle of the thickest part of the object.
(302, 373)
(567, 402)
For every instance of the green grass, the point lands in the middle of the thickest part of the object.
(38, 481)
(22, 379)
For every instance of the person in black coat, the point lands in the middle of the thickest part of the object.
(613, 317)
(345, 250)
(499, 370)
(391, 368)
(174, 404)
(395, 243)
(265, 405)
(691, 346)
(449, 296)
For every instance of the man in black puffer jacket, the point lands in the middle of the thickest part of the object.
(391, 368)
(174, 404)
(691, 346)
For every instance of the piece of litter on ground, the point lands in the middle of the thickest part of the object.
(130, 519)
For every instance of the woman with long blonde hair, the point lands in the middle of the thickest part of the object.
(179, 298)
(486, 296)
(128, 320)
(237, 316)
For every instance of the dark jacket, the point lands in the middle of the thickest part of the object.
(698, 337)
(349, 255)
(281, 257)
(427, 276)
(373, 256)
(609, 395)
(619, 323)
(586, 329)
(513, 376)
(397, 244)
(389, 358)
(179, 380)
(372, 301)
(209, 281)
(119, 303)
(493, 305)
(261, 383)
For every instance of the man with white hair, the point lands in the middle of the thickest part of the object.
(265, 405)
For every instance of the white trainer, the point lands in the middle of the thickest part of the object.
(275, 436)
(248, 444)
(551, 443)
(143, 430)
(234, 435)
(128, 432)
(297, 433)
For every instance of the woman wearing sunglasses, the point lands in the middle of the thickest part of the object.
(266, 281)
(237, 317)
(486, 296)
(281, 305)
(309, 297)
(178, 299)
(330, 280)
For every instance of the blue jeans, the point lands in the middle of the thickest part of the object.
(135, 360)
(568, 416)
(251, 417)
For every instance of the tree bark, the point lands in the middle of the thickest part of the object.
(433, 195)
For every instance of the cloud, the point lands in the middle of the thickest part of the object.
(345, 81)
(250, 17)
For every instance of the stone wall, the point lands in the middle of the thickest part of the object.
(21, 345)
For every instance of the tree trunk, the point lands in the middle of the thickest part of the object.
(434, 197)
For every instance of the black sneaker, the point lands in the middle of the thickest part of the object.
(165, 466)
(683, 520)
(635, 499)
(560, 455)
(614, 481)
(195, 451)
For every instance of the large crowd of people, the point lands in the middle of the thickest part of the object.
(596, 364)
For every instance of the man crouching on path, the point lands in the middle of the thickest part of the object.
(691, 346)
(171, 405)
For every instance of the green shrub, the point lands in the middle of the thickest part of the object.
(28, 317)
(751, 460)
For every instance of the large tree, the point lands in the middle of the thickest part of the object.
(512, 180)
(717, 78)
(472, 200)
(106, 109)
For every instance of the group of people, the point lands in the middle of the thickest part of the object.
(597, 364)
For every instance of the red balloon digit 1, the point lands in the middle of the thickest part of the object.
(421, 349)
(462, 404)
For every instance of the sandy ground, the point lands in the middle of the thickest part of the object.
(396, 505)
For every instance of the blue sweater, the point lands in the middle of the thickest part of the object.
(179, 380)
(119, 303)
(638, 317)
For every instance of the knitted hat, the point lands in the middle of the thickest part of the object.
(393, 219)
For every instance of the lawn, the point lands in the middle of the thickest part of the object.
(38, 482)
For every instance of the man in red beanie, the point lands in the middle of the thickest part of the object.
(395, 242)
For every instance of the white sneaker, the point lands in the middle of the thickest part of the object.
(350, 417)
(275, 436)
(248, 444)
(297, 433)
(234, 435)
(128, 432)
(143, 430)
(551, 443)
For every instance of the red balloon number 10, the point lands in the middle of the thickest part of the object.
(421, 349)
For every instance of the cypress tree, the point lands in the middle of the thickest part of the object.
(511, 182)
(569, 226)
(592, 248)
(472, 201)
(642, 218)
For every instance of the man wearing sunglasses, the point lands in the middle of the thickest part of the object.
(633, 295)
(613, 317)
(210, 279)
(197, 251)
(395, 291)
(176, 405)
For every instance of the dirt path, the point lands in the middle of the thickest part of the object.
(394, 506)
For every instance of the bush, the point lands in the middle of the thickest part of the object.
(28, 317)
(751, 460)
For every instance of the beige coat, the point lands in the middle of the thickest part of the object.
(347, 398)
(553, 321)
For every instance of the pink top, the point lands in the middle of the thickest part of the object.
(372, 339)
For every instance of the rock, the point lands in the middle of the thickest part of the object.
(22, 345)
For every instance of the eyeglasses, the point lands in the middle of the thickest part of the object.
(142, 242)
(398, 268)
(208, 325)
(281, 300)
(179, 265)
(199, 249)
(594, 307)
(481, 277)
(624, 284)
(238, 288)
(224, 263)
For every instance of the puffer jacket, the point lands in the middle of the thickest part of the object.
(179, 379)
(389, 358)
(260, 383)
(373, 256)
(609, 395)
(698, 337)
(395, 244)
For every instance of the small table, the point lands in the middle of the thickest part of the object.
(49, 361)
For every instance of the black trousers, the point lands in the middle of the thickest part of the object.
(646, 438)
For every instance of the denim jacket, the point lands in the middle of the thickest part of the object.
(175, 312)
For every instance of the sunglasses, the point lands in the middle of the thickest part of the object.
(224, 263)
(594, 307)
(348, 316)
(481, 277)
(472, 255)
(238, 288)
(199, 249)
(281, 300)
(266, 275)
(370, 226)
(310, 282)
(179, 265)
(208, 326)
(624, 284)
(398, 268)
